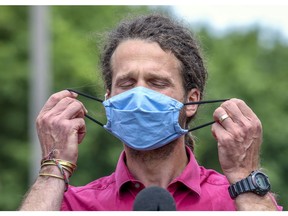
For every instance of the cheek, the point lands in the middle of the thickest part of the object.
(182, 117)
(115, 91)
(181, 96)
(175, 93)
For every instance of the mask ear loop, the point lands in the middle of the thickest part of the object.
(204, 102)
(86, 95)
(90, 97)
(189, 103)
(94, 120)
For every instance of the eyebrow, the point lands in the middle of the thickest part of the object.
(123, 77)
(160, 76)
(153, 75)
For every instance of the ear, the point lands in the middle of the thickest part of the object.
(193, 96)
(107, 94)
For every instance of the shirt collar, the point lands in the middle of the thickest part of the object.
(122, 174)
(190, 176)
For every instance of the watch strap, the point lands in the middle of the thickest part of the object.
(242, 186)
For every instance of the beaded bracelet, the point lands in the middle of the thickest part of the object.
(51, 175)
(66, 180)
(61, 164)
(68, 169)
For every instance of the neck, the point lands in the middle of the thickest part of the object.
(157, 167)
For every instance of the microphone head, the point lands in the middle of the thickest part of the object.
(154, 199)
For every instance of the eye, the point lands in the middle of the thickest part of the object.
(159, 83)
(127, 83)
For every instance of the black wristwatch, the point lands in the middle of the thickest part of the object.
(257, 182)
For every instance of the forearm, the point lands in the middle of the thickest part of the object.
(253, 202)
(60, 128)
(46, 194)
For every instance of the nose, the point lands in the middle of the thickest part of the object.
(142, 83)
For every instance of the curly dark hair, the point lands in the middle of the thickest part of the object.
(171, 36)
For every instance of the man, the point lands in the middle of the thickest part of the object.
(151, 64)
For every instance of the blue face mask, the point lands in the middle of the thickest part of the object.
(144, 119)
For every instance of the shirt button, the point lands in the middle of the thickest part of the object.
(137, 185)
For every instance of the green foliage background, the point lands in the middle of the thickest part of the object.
(240, 65)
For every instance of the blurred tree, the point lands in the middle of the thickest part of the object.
(76, 42)
(239, 63)
(74, 57)
(13, 105)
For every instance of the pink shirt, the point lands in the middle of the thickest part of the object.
(196, 188)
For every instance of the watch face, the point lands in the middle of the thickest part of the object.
(261, 181)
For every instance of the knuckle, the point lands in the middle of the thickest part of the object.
(236, 100)
(54, 97)
(83, 122)
(227, 105)
(38, 121)
(245, 126)
(249, 127)
(218, 112)
(64, 124)
(53, 122)
(258, 124)
(42, 120)
(68, 100)
(239, 135)
(225, 140)
(239, 102)
(77, 104)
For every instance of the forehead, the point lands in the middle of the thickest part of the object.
(140, 54)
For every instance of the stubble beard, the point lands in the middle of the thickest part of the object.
(162, 153)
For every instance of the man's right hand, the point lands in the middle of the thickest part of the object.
(61, 126)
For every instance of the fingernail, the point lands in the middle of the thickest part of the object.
(74, 94)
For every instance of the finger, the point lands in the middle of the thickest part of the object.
(238, 124)
(237, 109)
(74, 110)
(236, 129)
(221, 117)
(245, 109)
(79, 129)
(61, 106)
(233, 111)
(253, 124)
(241, 114)
(220, 133)
(56, 98)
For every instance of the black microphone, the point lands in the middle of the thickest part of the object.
(154, 199)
